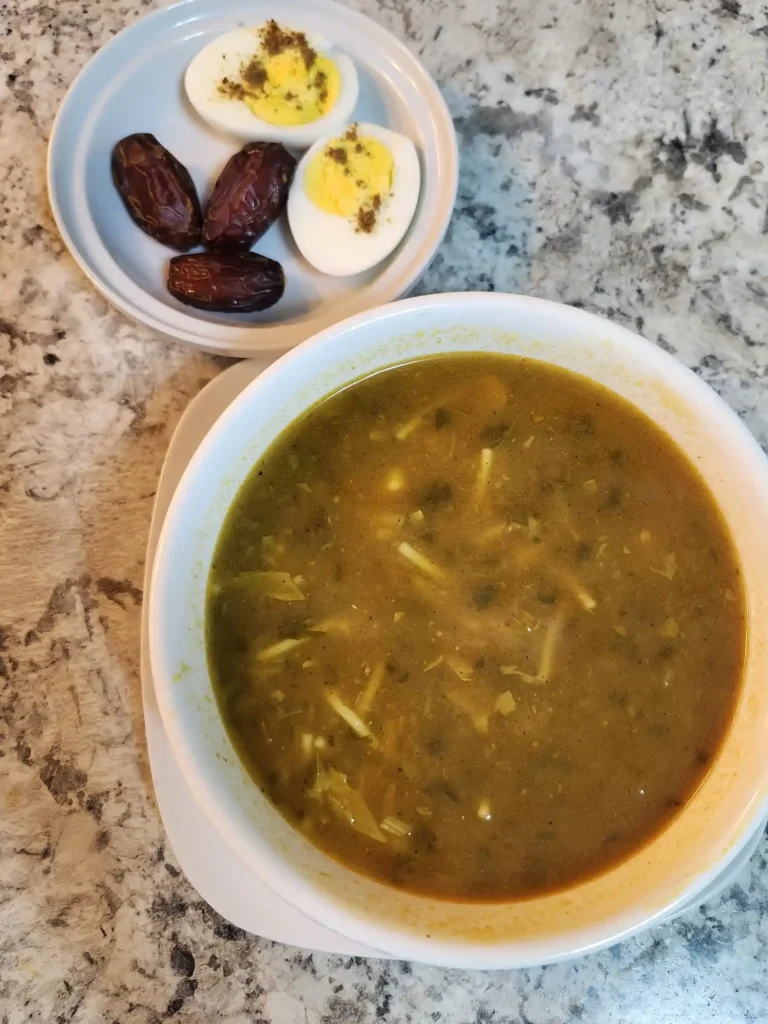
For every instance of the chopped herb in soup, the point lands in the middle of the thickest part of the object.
(476, 627)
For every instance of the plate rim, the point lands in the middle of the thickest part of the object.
(242, 340)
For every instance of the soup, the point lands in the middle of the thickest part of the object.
(475, 627)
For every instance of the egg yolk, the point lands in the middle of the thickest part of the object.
(282, 89)
(350, 177)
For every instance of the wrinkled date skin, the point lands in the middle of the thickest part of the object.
(226, 282)
(157, 190)
(248, 197)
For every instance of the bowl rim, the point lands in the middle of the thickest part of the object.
(307, 896)
(244, 339)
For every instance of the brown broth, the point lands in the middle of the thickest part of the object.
(508, 636)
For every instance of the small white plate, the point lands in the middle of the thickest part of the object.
(206, 859)
(134, 84)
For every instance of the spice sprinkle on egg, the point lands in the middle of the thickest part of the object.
(272, 83)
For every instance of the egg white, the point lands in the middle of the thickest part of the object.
(332, 244)
(225, 56)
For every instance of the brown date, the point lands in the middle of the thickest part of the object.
(232, 282)
(157, 190)
(248, 197)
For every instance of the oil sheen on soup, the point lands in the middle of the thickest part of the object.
(476, 627)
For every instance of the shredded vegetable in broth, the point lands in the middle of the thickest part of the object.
(476, 628)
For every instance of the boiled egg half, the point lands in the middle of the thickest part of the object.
(353, 197)
(272, 84)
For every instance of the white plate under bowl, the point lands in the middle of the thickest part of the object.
(207, 860)
(134, 84)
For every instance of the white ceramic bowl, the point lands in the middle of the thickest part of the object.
(710, 831)
(135, 84)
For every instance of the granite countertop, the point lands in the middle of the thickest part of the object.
(613, 156)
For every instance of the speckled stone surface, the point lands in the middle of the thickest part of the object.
(613, 156)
